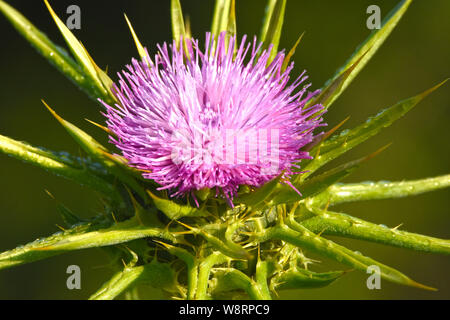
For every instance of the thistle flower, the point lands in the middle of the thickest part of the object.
(212, 119)
(218, 118)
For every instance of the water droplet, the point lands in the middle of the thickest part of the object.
(357, 252)
(380, 113)
(77, 225)
(383, 225)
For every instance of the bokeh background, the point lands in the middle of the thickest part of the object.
(414, 58)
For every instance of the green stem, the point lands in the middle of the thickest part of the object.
(262, 271)
(205, 271)
(192, 268)
(81, 237)
(341, 193)
(344, 225)
(192, 280)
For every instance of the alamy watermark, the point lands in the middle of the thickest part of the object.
(74, 280)
(374, 20)
(234, 147)
(74, 20)
(374, 280)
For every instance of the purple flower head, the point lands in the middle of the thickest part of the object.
(214, 118)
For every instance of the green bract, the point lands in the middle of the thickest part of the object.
(213, 251)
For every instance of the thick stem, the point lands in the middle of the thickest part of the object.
(204, 273)
(192, 272)
(192, 268)
(262, 270)
(341, 193)
(343, 225)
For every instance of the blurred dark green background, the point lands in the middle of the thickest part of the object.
(414, 58)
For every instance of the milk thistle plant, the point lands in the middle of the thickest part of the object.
(211, 187)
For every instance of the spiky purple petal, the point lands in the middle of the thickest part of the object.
(217, 118)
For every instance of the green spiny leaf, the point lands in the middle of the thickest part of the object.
(227, 247)
(231, 26)
(178, 27)
(81, 55)
(229, 279)
(68, 216)
(335, 87)
(348, 139)
(80, 237)
(274, 21)
(119, 283)
(221, 17)
(187, 27)
(318, 139)
(158, 275)
(100, 153)
(139, 46)
(89, 144)
(51, 163)
(224, 19)
(287, 59)
(106, 82)
(304, 279)
(203, 194)
(303, 238)
(179, 252)
(369, 47)
(268, 14)
(339, 224)
(54, 54)
(174, 210)
(317, 184)
(258, 196)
